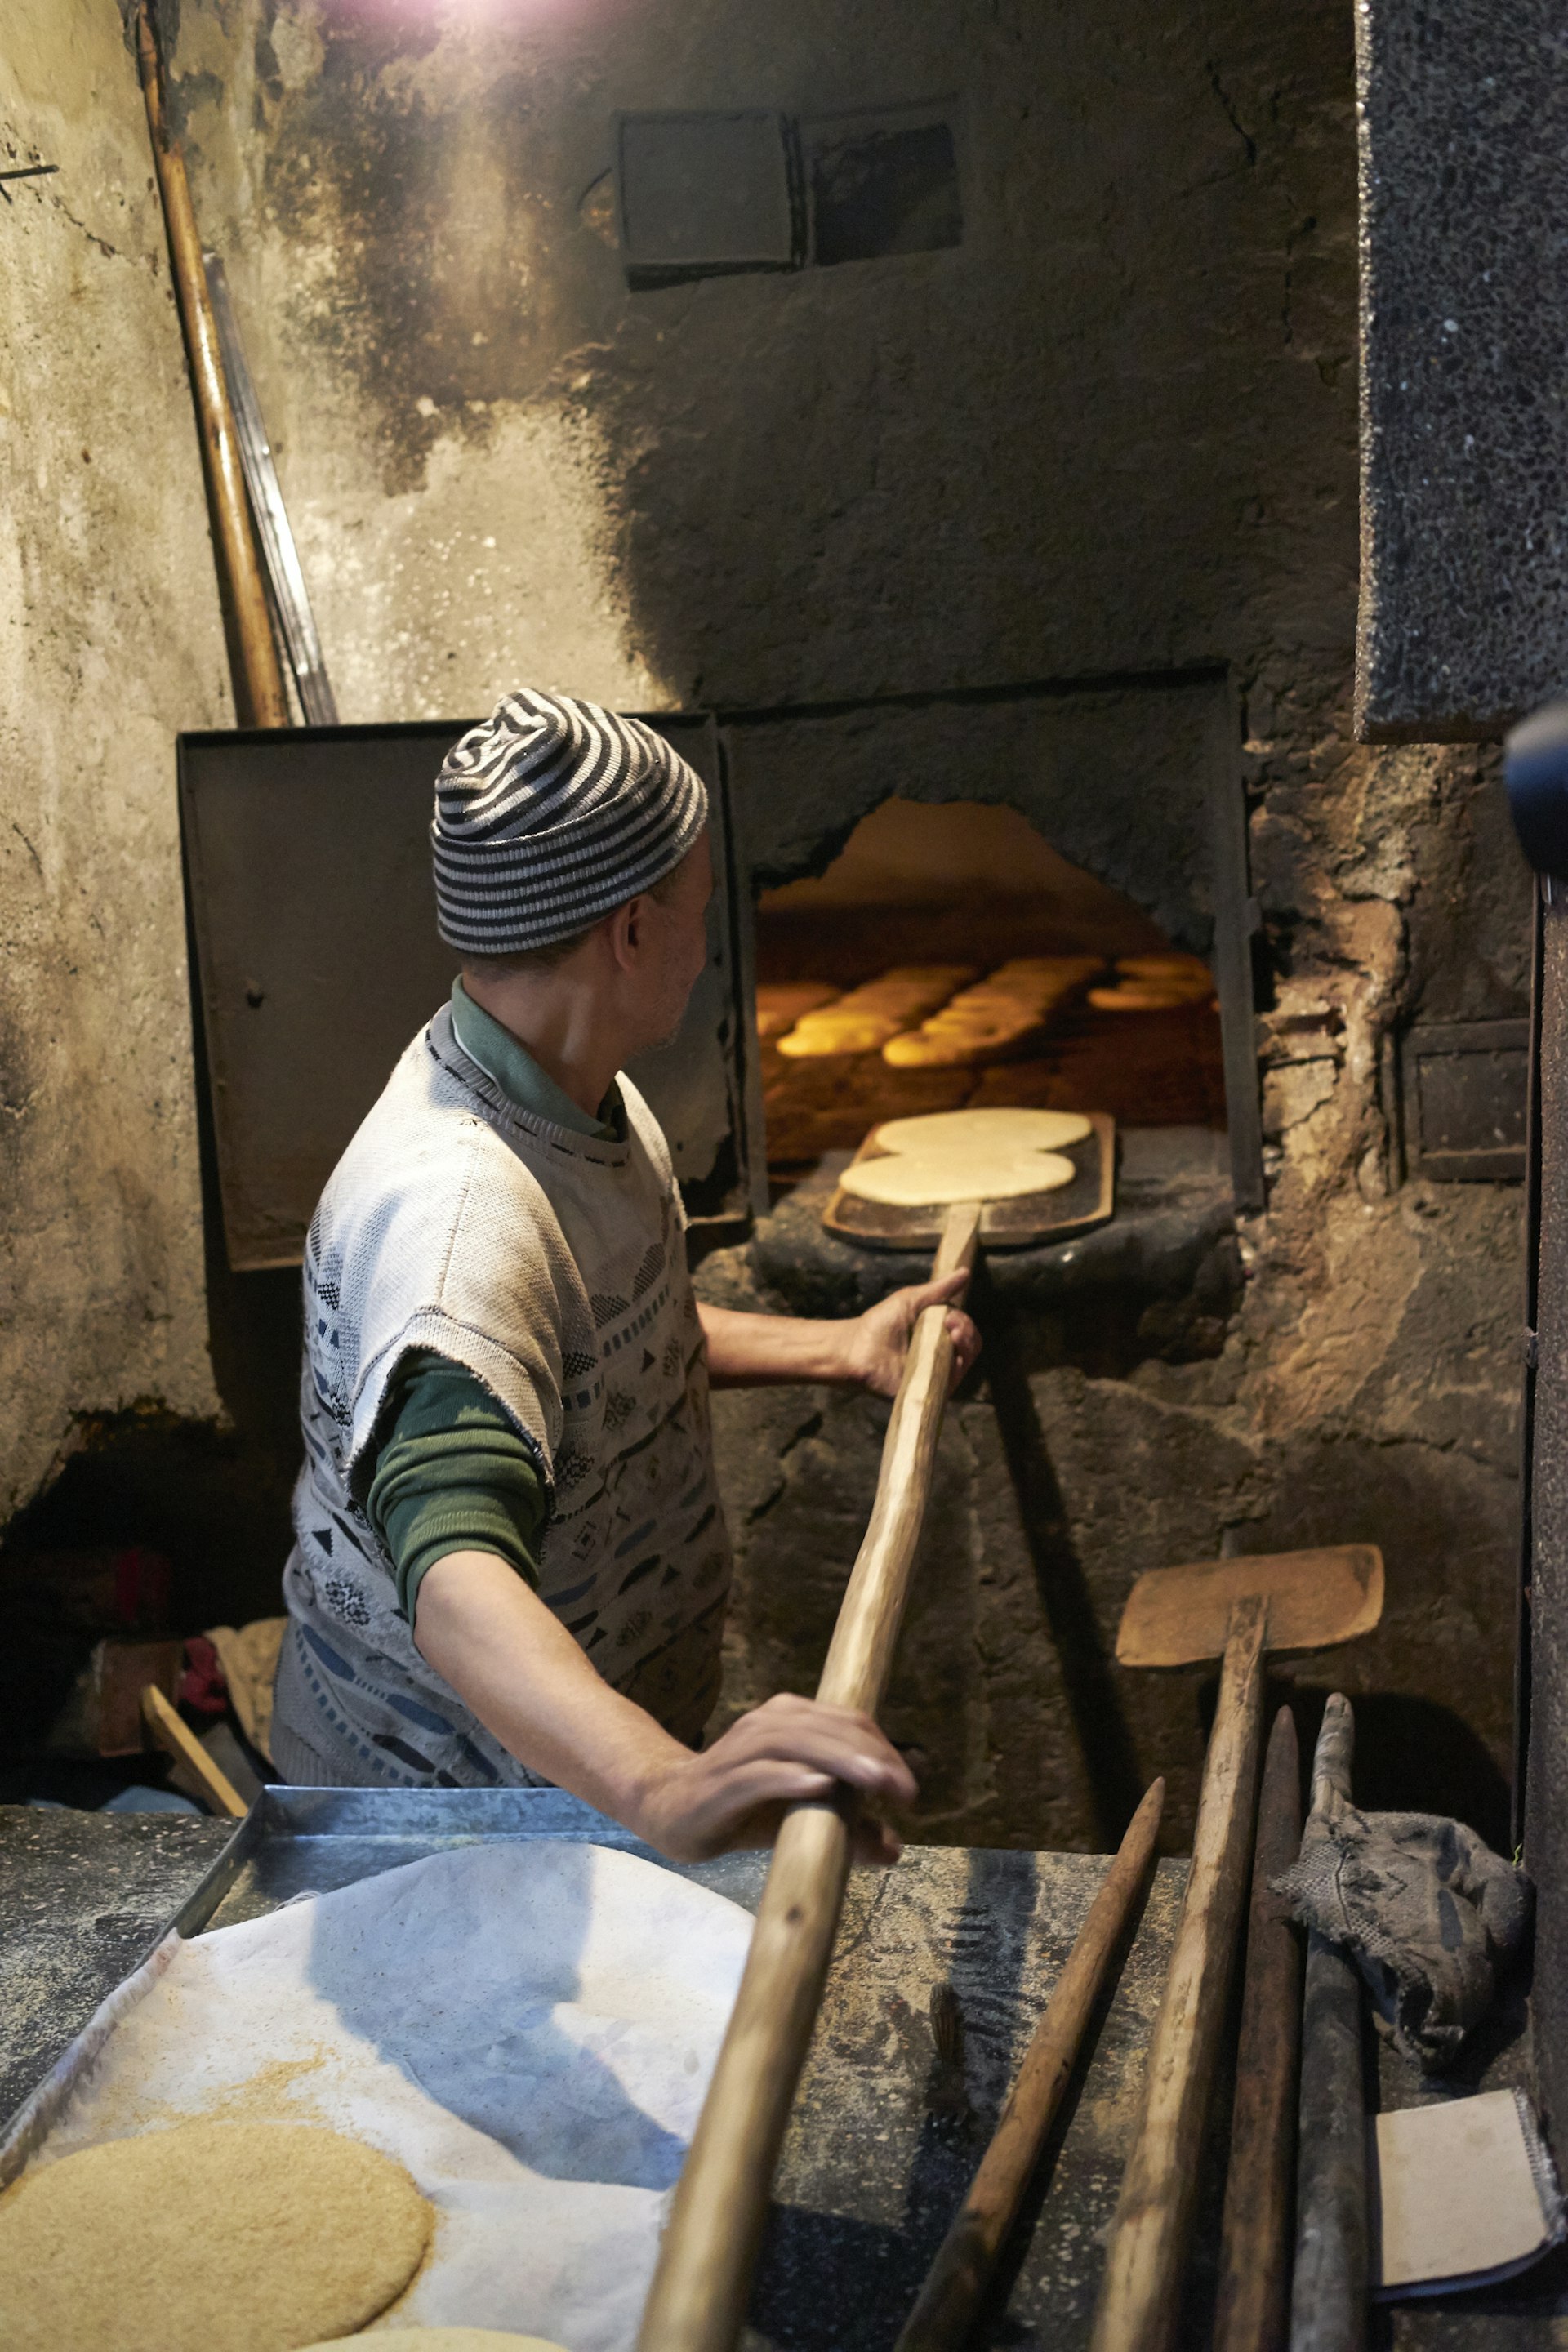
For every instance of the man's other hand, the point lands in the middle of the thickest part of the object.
(735, 1793)
(875, 1343)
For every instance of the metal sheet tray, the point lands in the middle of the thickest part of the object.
(308, 1840)
(298, 1842)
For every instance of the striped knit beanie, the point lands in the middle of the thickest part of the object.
(550, 814)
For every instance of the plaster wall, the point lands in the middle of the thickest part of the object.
(1112, 432)
(109, 642)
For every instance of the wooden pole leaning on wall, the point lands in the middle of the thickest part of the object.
(698, 2299)
(261, 699)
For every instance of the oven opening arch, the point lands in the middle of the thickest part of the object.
(950, 958)
(975, 830)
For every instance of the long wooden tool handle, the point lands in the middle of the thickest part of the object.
(169, 1733)
(698, 2299)
(957, 2279)
(1140, 2301)
(1329, 2291)
(1251, 2313)
(261, 682)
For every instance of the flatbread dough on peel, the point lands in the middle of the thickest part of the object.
(440, 2339)
(257, 2237)
(918, 1179)
(1000, 1128)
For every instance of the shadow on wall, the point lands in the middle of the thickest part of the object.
(1411, 1754)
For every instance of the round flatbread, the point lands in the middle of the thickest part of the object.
(994, 1130)
(952, 1049)
(1140, 996)
(1164, 966)
(919, 1180)
(441, 2339)
(258, 2237)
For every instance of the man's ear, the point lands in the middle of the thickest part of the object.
(626, 931)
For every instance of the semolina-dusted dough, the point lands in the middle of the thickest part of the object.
(254, 2237)
(1145, 996)
(439, 2339)
(990, 1130)
(871, 1014)
(1000, 1017)
(918, 1179)
(1173, 966)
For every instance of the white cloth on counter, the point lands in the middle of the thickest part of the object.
(529, 2027)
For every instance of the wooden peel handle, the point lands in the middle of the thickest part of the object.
(1139, 2300)
(941, 2319)
(698, 2299)
(1252, 2304)
(860, 1655)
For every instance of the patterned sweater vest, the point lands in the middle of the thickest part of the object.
(553, 1265)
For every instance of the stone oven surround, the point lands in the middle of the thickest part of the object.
(1111, 432)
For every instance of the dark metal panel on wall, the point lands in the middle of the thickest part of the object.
(1463, 118)
(1464, 1086)
(1235, 925)
(308, 873)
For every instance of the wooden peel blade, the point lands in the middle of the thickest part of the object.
(698, 2299)
(1172, 1618)
(169, 1732)
(1179, 1616)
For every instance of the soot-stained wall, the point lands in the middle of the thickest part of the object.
(1110, 433)
(1100, 434)
(109, 642)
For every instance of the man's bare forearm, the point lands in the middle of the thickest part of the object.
(743, 1349)
(493, 1639)
(860, 1350)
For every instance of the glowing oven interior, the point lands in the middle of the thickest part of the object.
(949, 957)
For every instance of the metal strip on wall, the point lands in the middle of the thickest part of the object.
(285, 575)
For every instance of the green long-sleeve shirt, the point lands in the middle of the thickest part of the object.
(452, 1472)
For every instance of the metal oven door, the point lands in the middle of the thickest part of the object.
(312, 921)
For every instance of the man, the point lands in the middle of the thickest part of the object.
(510, 1563)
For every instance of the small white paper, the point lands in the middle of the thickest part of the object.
(1455, 2194)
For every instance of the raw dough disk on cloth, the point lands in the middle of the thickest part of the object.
(206, 2238)
(440, 2339)
(998, 1129)
(526, 2023)
(918, 1179)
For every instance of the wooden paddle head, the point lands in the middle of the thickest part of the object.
(1176, 1616)
(1022, 1223)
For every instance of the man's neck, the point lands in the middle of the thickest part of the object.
(555, 1020)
